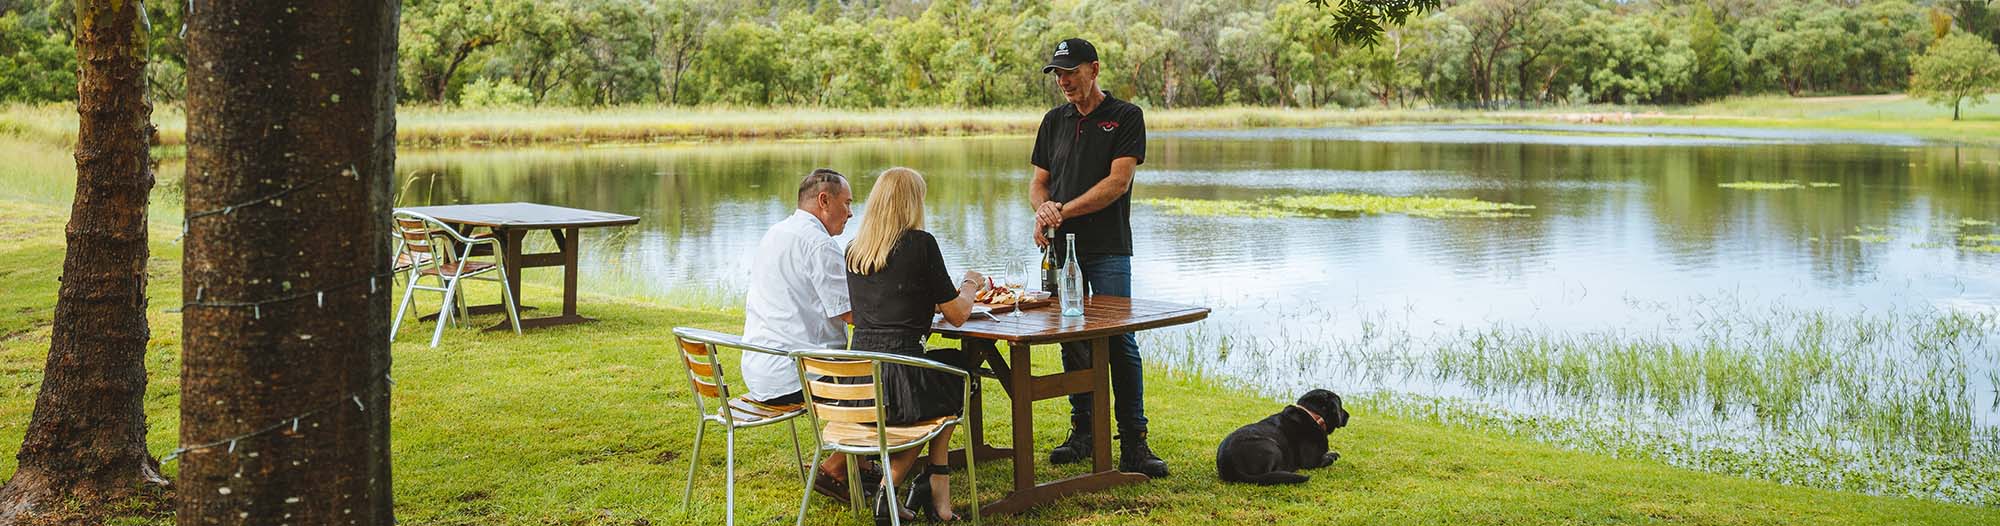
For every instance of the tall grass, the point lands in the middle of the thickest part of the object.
(1895, 402)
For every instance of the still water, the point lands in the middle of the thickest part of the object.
(1633, 254)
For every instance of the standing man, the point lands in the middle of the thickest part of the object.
(1084, 157)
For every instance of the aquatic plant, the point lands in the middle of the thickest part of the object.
(1886, 401)
(1759, 185)
(1340, 205)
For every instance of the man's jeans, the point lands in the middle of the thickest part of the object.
(1112, 276)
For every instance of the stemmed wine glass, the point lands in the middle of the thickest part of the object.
(1016, 281)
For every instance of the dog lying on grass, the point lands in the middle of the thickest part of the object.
(1273, 450)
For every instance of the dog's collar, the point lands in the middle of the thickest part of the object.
(1316, 418)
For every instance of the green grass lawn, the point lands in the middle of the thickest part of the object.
(590, 425)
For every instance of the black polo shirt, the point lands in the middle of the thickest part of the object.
(1077, 151)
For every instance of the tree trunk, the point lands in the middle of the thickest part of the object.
(86, 442)
(1954, 107)
(284, 409)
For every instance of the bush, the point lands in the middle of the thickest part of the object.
(489, 93)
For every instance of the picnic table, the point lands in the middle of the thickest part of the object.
(511, 223)
(1104, 317)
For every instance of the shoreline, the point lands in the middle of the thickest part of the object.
(426, 128)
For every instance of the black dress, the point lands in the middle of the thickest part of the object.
(892, 314)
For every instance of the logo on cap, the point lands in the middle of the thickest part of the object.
(1062, 49)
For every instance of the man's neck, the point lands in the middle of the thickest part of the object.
(817, 219)
(1090, 102)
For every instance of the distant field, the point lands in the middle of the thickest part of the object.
(448, 127)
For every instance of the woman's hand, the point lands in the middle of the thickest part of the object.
(974, 278)
(959, 309)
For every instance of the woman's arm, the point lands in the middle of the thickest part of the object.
(959, 308)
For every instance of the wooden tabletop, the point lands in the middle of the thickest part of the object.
(522, 215)
(1102, 316)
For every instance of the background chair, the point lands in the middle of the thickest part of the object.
(856, 427)
(419, 234)
(706, 379)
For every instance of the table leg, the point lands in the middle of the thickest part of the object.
(1024, 416)
(982, 351)
(510, 255)
(568, 243)
(1100, 405)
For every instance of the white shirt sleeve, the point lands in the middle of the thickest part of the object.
(829, 274)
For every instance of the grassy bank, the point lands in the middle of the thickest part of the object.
(588, 425)
(448, 127)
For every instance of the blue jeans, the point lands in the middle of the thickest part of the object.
(1110, 275)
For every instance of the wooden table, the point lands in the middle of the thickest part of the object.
(511, 223)
(1104, 318)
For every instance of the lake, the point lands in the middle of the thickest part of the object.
(1831, 324)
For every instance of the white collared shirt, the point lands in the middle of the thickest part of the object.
(798, 290)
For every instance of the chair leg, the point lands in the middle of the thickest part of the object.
(806, 493)
(444, 313)
(694, 459)
(409, 293)
(972, 472)
(889, 488)
(729, 473)
(798, 454)
(854, 501)
(507, 296)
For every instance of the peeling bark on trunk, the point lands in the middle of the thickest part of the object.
(86, 443)
(295, 98)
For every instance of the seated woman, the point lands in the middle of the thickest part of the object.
(895, 280)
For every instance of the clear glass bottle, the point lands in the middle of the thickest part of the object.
(1071, 280)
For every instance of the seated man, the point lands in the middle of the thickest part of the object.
(798, 300)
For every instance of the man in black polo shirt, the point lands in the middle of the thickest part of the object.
(1084, 157)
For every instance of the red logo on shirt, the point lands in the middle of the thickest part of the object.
(1108, 125)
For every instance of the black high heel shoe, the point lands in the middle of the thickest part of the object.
(920, 493)
(882, 512)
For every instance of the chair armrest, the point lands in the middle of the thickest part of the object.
(724, 340)
(844, 354)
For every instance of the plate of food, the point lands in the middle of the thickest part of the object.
(1001, 299)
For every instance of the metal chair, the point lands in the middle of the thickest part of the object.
(419, 235)
(857, 428)
(705, 377)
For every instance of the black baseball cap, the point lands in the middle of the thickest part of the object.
(1070, 54)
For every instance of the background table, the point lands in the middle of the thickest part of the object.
(1104, 317)
(511, 223)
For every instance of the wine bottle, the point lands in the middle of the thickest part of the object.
(1049, 262)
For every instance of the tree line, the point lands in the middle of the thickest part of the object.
(1168, 53)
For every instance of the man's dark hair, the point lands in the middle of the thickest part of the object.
(820, 180)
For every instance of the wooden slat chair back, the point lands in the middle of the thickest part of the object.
(697, 350)
(420, 235)
(845, 393)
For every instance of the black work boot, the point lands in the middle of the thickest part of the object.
(1135, 457)
(1074, 450)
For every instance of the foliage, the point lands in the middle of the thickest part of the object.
(489, 93)
(1958, 68)
(1163, 54)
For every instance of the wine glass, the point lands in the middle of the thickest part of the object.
(1016, 281)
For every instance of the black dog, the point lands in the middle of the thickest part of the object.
(1272, 450)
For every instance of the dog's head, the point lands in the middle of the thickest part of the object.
(1327, 405)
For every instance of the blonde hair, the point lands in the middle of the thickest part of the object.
(895, 206)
